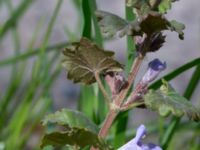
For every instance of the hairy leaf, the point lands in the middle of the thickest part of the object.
(152, 23)
(78, 130)
(167, 100)
(84, 59)
(109, 23)
(70, 118)
(77, 137)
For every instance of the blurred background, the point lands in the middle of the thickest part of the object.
(32, 81)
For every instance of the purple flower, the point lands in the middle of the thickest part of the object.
(136, 144)
(154, 69)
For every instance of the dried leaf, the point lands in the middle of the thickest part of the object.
(85, 59)
(152, 23)
(157, 41)
(167, 100)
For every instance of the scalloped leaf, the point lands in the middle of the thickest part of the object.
(154, 22)
(70, 118)
(76, 137)
(77, 130)
(150, 23)
(109, 23)
(85, 58)
(167, 100)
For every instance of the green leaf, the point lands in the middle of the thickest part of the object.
(109, 23)
(77, 137)
(138, 4)
(70, 118)
(178, 27)
(166, 100)
(84, 59)
(165, 5)
(79, 131)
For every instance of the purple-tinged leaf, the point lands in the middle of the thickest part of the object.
(84, 59)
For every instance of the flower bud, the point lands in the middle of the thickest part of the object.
(154, 69)
(116, 82)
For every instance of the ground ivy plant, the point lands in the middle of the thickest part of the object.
(87, 63)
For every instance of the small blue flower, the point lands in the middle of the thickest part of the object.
(154, 69)
(136, 144)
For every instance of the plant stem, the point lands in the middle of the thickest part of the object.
(139, 89)
(120, 98)
(134, 70)
(105, 94)
(108, 122)
(131, 105)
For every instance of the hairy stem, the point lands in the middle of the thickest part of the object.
(120, 98)
(108, 122)
(134, 70)
(136, 94)
(105, 94)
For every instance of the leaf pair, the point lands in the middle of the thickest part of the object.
(166, 100)
(79, 131)
(84, 59)
(150, 23)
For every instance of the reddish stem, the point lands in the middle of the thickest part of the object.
(120, 98)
